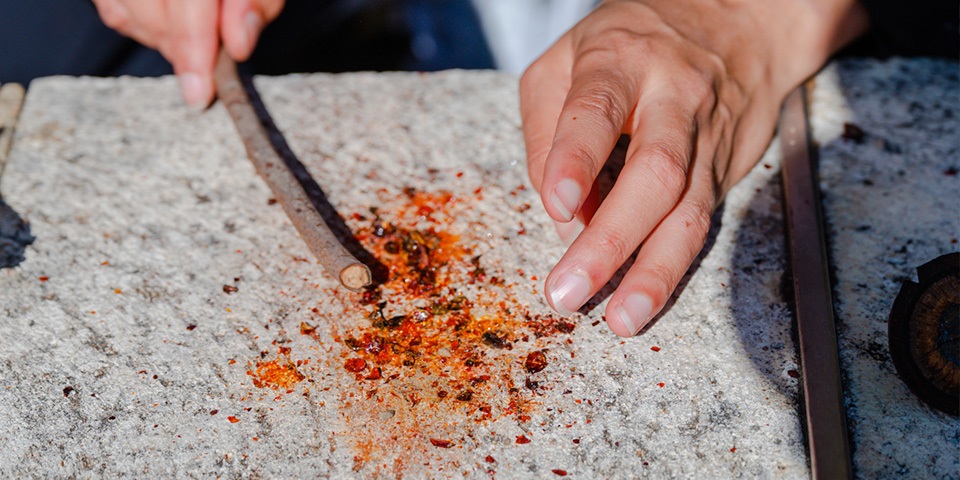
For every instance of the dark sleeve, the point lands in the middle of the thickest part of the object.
(922, 28)
(65, 37)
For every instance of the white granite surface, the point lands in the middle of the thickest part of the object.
(143, 212)
(892, 202)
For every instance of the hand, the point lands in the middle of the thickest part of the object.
(188, 34)
(698, 86)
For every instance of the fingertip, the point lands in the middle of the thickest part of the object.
(241, 33)
(565, 198)
(627, 316)
(196, 90)
(568, 291)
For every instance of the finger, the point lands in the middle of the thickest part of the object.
(192, 47)
(653, 178)
(569, 231)
(241, 23)
(144, 22)
(543, 89)
(600, 101)
(664, 258)
(114, 14)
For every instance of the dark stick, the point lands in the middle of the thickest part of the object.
(819, 355)
(353, 274)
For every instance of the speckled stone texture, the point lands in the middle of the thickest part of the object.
(891, 200)
(119, 341)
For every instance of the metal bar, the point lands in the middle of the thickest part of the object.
(819, 357)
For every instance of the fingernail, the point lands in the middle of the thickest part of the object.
(569, 293)
(569, 231)
(253, 25)
(192, 89)
(566, 198)
(635, 311)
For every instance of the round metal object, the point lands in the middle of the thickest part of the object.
(924, 333)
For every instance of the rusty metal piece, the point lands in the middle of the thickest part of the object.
(924, 333)
(819, 356)
(315, 232)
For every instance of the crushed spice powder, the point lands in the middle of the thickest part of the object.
(439, 347)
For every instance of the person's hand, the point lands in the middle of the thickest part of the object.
(698, 86)
(188, 33)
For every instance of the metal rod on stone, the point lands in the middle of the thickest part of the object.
(353, 274)
(819, 355)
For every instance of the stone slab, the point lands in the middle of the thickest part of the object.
(119, 339)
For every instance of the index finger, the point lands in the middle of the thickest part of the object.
(192, 47)
(543, 88)
(601, 99)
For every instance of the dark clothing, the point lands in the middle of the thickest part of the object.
(924, 28)
(50, 37)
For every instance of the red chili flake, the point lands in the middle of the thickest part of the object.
(67, 391)
(733, 450)
(214, 412)
(355, 365)
(117, 291)
(490, 459)
(233, 419)
(374, 374)
(576, 440)
(271, 201)
(661, 384)
(535, 362)
(44, 278)
(441, 443)
(191, 326)
(228, 289)
(655, 348)
(459, 174)
(793, 373)
(307, 329)
(557, 471)
(522, 439)
(255, 439)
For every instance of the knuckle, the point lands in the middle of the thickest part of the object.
(668, 167)
(666, 280)
(612, 246)
(698, 216)
(601, 101)
(531, 77)
(701, 91)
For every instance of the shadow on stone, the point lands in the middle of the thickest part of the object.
(14, 236)
(319, 199)
(761, 292)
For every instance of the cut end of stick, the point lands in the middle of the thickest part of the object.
(356, 276)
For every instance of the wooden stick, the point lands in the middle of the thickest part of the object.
(353, 274)
(11, 99)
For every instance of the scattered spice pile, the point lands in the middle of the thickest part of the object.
(444, 343)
